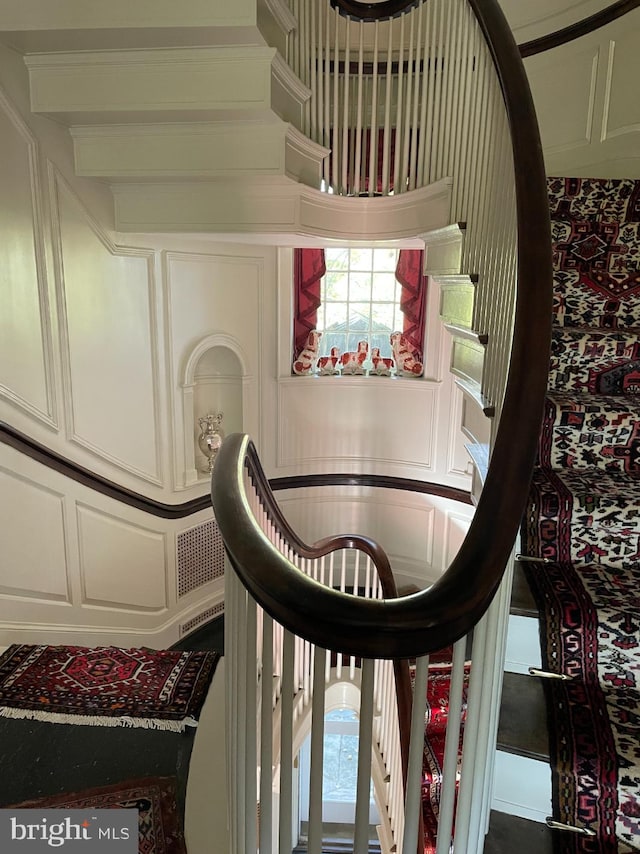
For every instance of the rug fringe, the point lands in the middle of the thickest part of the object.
(95, 720)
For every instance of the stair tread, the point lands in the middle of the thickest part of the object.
(522, 727)
(511, 833)
(593, 198)
(582, 431)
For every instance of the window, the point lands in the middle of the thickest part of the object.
(345, 296)
(360, 300)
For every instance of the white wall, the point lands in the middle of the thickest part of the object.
(586, 98)
(97, 356)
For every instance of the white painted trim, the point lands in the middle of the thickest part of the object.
(283, 16)
(286, 211)
(289, 80)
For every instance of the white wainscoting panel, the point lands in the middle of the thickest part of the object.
(25, 335)
(109, 344)
(565, 112)
(585, 94)
(121, 564)
(622, 105)
(32, 533)
(358, 421)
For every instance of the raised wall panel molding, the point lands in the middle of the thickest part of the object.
(278, 208)
(143, 432)
(621, 114)
(566, 119)
(190, 81)
(399, 414)
(32, 254)
(32, 567)
(109, 548)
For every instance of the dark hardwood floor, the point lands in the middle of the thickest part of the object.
(40, 759)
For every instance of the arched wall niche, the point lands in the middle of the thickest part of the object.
(215, 379)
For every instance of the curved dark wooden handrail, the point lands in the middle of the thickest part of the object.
(381, 11)
(41, 454)
(431, 619)
(579, 29)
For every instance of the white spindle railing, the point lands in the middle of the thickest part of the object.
(402, 104)
(277, 686)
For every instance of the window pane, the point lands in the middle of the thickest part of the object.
(336, 286)
(336, 315)
(385, 259)
(384, 287)
(336, 259)
(360, 286)
(381, 341)
(340, 768)
(361, 259)
(382, 316)
(354, 338)
(359, 314)
(332, 339)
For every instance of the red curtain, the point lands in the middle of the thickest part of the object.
(308, 269)
(413, 298)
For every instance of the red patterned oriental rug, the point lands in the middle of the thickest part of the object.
(105, 686)
(159, 824)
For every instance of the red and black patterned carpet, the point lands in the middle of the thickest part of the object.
(583, 515)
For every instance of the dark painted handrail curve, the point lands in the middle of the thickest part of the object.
(41, 454)
(579, 29)
(431, 619)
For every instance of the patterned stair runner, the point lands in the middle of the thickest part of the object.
(584, 515)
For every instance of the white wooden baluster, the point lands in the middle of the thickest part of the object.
(286, 747)
(451, 748)
(251, 746)
(404, 170)
(356, 580)
(396, 182)
(326, 141)
(365, 743)
(373, 133)
(418, 82)
(358, 131)
(344, 186)
(335, 140)
(266, 738)
(317, 753)
(416, 751)
(388, 131)
(470, 773)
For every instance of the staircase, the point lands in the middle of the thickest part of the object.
(581, 531)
